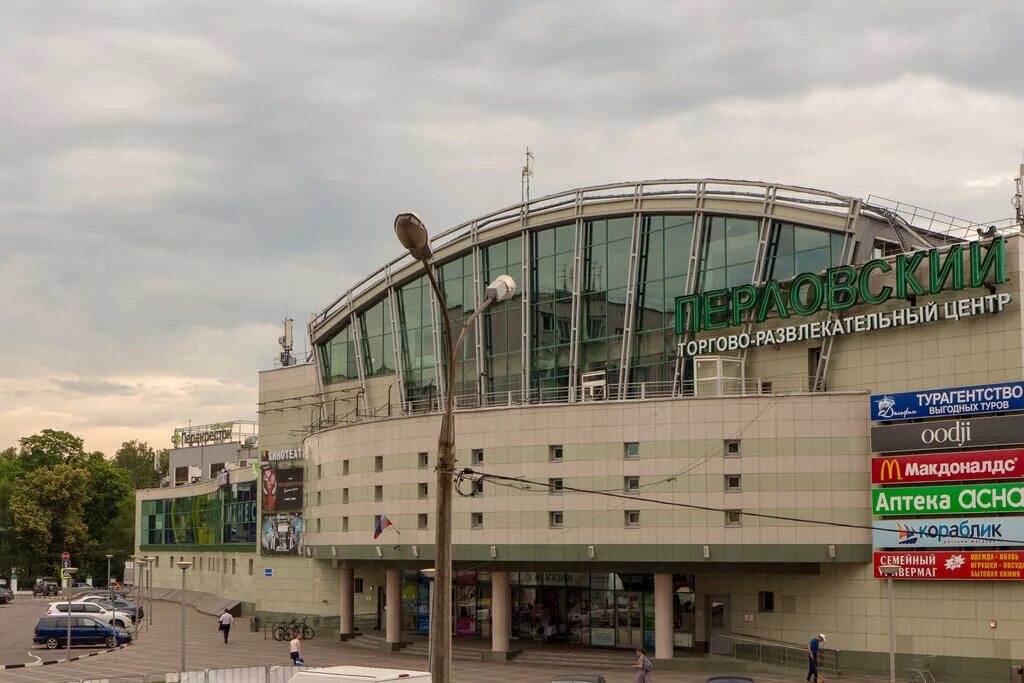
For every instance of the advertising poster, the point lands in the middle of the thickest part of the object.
(465, 604)
(944, 500)
(971, 466)
(283, 525)
(948, 532)
(975, 400)
(950, 565)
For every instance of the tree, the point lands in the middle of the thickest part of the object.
(48, 511)
(50, 447)
(138, 458)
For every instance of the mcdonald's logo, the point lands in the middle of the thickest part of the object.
(890, 470)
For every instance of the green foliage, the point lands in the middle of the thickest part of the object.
(56, 496)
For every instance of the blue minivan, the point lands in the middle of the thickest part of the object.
(52, 631)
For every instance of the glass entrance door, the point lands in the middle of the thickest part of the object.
(629, 623)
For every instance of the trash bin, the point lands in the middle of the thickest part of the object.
(1016, 674)
(578, 678)
(254, 624)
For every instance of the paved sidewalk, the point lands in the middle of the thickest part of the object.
(158, 651)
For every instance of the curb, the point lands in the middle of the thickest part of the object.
(47, 662)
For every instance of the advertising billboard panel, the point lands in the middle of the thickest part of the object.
(951, 565)
(970, 466)
(943, 500)
(283, 533)
(974, 400)
(1005, 430)
(948, 532)
(283, 525)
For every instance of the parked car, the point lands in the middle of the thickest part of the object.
(46, 586)
(6, 595)
(52, 631)
(136, 611)
(114, 618)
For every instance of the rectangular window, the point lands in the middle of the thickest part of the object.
(766, 387)
(423, 459)
(555, 519)
(376, 521)
(378, 463)
(344, 495)
(477, 520)
(344, 523)
(319, 471)
(765, 601)
(631, 450)
(632, 518)
(318, 527)
(478, 456)
(733, 518)
(357, 585)
(250, 567)
(319, 498)
(732, 482)
(421, 520)
(344, 466)
(378, 493)
(555, 453)
(555, 485)
(215, 469)
(423, 491)
(732, 447)
(813, 358)
(631, 484)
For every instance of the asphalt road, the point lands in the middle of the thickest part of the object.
(17, 625)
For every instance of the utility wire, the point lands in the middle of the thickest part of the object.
(468, 472)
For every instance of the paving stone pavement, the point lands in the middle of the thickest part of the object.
(158, 651)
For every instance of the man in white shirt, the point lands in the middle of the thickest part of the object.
(225, 624)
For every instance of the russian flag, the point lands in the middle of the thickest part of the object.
(382, 524)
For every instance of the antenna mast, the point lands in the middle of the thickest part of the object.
(286, 344)
(527, 174)
(1018, 199)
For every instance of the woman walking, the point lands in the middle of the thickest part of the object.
(643, 666)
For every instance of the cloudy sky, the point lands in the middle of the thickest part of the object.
(177, 177)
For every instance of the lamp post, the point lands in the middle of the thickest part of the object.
(888, 571)
(110, 588)
(70, 571)
(183, 565)
(149, 613)
(428, 574)
(140, 586)
(412, 233)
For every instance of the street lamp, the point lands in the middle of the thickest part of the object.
(183, 565)
(70, 571)
(140, 586)
(888, 571)
(149, 614)
(428, 574)
(412, 233)
(109, 587)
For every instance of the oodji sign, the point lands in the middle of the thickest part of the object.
(1006, 430)
(986, 398)
(948, 565)
(938, 500)
(972, 466)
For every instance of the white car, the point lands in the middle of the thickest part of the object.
(113, 618)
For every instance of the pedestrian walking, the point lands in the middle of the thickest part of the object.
(643, 666)
(295, 650)
(225, 624)
(812, 657)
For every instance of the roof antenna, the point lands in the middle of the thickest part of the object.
(527, 174)
(1018, 199)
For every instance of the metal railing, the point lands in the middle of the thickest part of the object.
(786, 655)
(244, 674)
(940, 223)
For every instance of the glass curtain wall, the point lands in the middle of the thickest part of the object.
(795, 249)
(603, 294)
(730, 247)
(456, 280)
(664, 264)
(378, 351)
(551, 285)
(339, 357)
(418, 345)
(502, 323)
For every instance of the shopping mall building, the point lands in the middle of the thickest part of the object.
(725, 358)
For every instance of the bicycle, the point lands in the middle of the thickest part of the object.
(283, 631)
(287, 630)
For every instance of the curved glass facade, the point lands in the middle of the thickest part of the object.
(591, 285)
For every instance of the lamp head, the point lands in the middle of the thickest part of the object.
(70, 571)
(109, 556)
(888, 570)
(183, 564)
(412, 233)
(502, 289)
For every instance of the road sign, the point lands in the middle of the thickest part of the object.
(268, 572)
(65, 556)
(64, 574)
(65, 563)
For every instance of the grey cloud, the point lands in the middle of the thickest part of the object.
(95, 387)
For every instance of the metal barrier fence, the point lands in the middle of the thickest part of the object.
(245, 674)
(786, 655)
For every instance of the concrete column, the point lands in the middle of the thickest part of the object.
(663, 625)
(501, 612)
(393, 602)
(346, 614)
